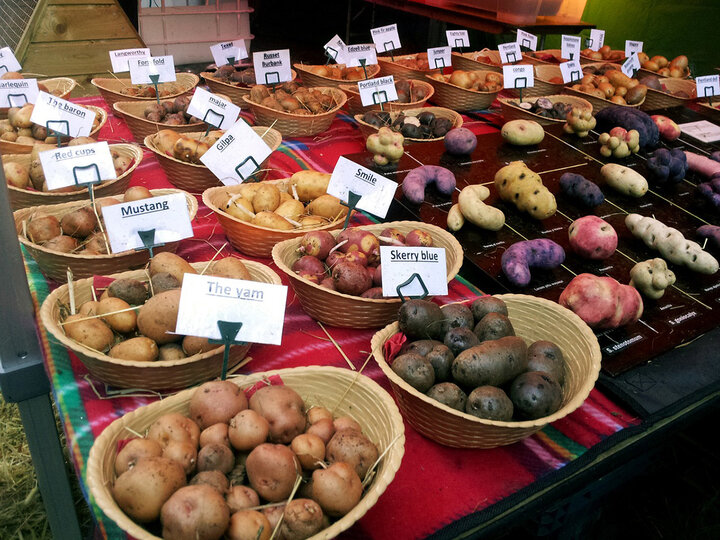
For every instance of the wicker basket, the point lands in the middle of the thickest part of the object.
(341, 390)
(457, 98)
(511, 111)
(196, 177)
(298, 125)
(7, 147)
(600, 103)
(440, 112)
(250, 239)
(533, 319)
(55, 264)
(23, 198)
(657, 99)
(587, 60)
(543, 86)
(713, 112)
(338, 309)
(555, 53)
(110, 89)
(355, 106)
(57, 86)
(311, 79)
(400, 72)
(234, 92)
(158, 375)
(468, 61)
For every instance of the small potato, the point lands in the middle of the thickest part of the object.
(336, 489)
(137, 193)
(271, 220)
(310, 184)
(241, 209)
(43, 228)
(230, 267)
(171, 351)
(284, 410)
(249, 525)
(328, 207)
(459, 339)
(241, 498)
(318, 413)
(133, 451)
(489, 402)
(248, 429)
(213, 457)
(92, 333)
(16, 174)
(308, 222)
(302, 519)
(183, 452)
(449, 394)
(487, 304)
(158, 316)
(266, 199)
(96, 244)
(310, 450)
(117, 313)
(62, 243)
(323, 428)
(215, 434)
(351, 446)
(215, 479)
(139, 349)
(346, 422)
(165, 140)
(195, 513)
(272, 470)
(172, 264)
(216, 401)
(37, 175)
(173, 427)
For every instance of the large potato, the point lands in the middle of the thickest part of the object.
(174, 427)
(272, 470)
(271, 220)
(336, 489)
(491, 363)
(158, 316)
(284, 410)
(92, 333)
(173, 264)
(522, 132)
(352, 447)
(624, 179)
(310, 184)
(140, 349)
(216, 401)
(196, 512)
(328, 207)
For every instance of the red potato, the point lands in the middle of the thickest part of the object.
(284, 410)
(317, 243)
(363, 241)
(328, 283)
(135, 450)
(323, 428)
(592, 237)
(395, 235)
(272, 470)
(357, 257)
(418, 237)
(601, 301)
(309, 265)
(241, 498)
(216, 401)
(334, 258)
(195, 512)
(351, 278)
(215, 434)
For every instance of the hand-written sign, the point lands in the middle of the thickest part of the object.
(633, 47)
(205, 300)
(335, 49)
(510, 52)
(380, 90)
(571, 71)
(362, 54)
(76, 165)
(399, 263)
(8, 62)
(228, 52)
(376, 192)
(526, 39)
(237, 154)
(119, 58)
(518, 76)
(166, 215)
(272, 67)
(213, 109)
(597, 39)
(152, 69)
(18, 92)
(386, 38)
(570, 47)
(61, 116)
(457, 38)
(439, 57)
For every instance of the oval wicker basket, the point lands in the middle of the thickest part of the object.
(57, 86)
(252, 239)
(440, 112)
(311, 79)
(23, 198)
(543, 86)
(7, 147)
(298, 125)
(468, 61)
(196, 177)
(657, 99)
(55, 264)
(355, 106)
(234, 92)
(157, 375)
(338, 309)
(533, 319)
(111, 89)
(713, 112)
(457, 98)
(341, 390)
(600, 103)
(511, 111)
(388, 66)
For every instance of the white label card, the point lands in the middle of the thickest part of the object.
(144, 70)
(570, 47)
(236, 155)
(702, 130)
(8, 62)
(356, 55)
(439, 57)
(386, 38)
(18, 92)
(272, 67)
(213, 109)
(510, 52)
(571, 71)
(518, 76)
(168, 215)
(228, 52)
(119, 58)
(205, 300)
(597, 39)
(376, 192)
(335, 49)
(708, 86)
(457, 38)
(633, 47)
(59, 115)
(74, 165)
(399, 263)
(527, 40)
(380, 90)
(631, 65)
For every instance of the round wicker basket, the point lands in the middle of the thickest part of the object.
(57, 86)
(388, 66)
(341, 390)
(533, 319)
(55, 264)
(311, 79)
(511, 111)
(252, 239)
(158, 375)
(657, 99)
(457, 98)
(234, 92)
(338, 309)
(469, 61)
(543, 86)
(196, 177)
(439, 112)
(601, 103)
(7, 147)
(355, 106)
(23, 198)
(298, 125)
(111, 89)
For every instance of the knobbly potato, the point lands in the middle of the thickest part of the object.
(352, 447)
(491, 363)
(92, 333)
(302, 519)
(336, 489)
(272, 470)
(140, 349)
(284, 410)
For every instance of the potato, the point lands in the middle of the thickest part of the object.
(215, 457)
(139, 349)
(266, 199)
(37, 175)
(352, 447)
(214, 434)
(624, 179)
(172, 264)
(272, 470)
(346, 422)
(440, 358)
(547, 357)
(21, 119)
(62, 243)
(240, 208)
(247, 429)
(183, 452)
(491, 363)
(308, 222)
(271, 220)
(135, 450)
(493, 326)
(420, 319)
(522, 132)
(215, 479)
(323, 428)
(163, 281)
(459, 339)
(130, 290)
(336, 489)
(79, 223)
(328, 207)
(173, 427)
(535, 394)
(165, 140)
(137, 193)
(142, 490)
(249, 525)
(449, 394)
(120, 322)
(216, 401)
(310, 184)
(489, 402)
(310, 450)
(302, 519)
(42, 228)
(92, 333)
(230, 267)
(284, 410)
(88, 308)
(194, 513)
(171, 351)
(316, 413)
(16, 174)
(290, 209)
(158, 316)
(241, 498)
(473, 209)
(192, 345)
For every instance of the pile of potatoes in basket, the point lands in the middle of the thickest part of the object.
(109, 325)
(608, 82)
(171, 112)
(469, 359)
(183, 146)
(293, 98)
(148, 90)
(246, 467)
(339, 72)
(18, 128)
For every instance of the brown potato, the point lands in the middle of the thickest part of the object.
(165, 140)
(283, 408)
(241, 498)
(352, 447)
(173, 427)
(79, 223)
(328, 207)
(158, 316)
(163, 281)
(192, 345)
(336, 489)
(88, 308)
(92, 333)
(216, 401)
(139, 349)
(183, 452)
(215, 457)
(302, 519)
(130, 290)
(137, 193)
(215, 479)
(272, 470)
(171, 351)
(62, 243)
(215, 434)
(172, 264)
(120, 322)
(16, 174)
(42, 228)
(230, 267)
(195, 512)
(310, 450)
(247, 429)
(249, 525)
(135, 450)
(271, 220)
(267, 198)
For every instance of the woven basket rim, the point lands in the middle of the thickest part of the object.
(457, 119)
(53, 81)
(353, 90)
(467, 90)
(340, 100)
(209, 74)
(22, 212)
(418, 72)
(101, 83)
(508, 102)
(372, 70)
(708, 107)
(606, 102)
(674, 81)
(50, 324)
(122, 107)
(437, 231)
(601, 60)
(570, 406)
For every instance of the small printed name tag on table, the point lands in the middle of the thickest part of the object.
(228, 52)
(213, 109)
(205, 300)
(458, 38)
(357, 55)
(272, 67)
(701, 130)
(570, 47)
(144, 70)
(75, 165)
(335, 49)
(399, 263)
(8, 62)
(518, 76)
(237, 154)
(510, 52)
(526, 39)
(380, 90)
(376, 192)
(18, 92)
(62, 116)
(168, 215)
(571, 71)
(119, 58)
(386, 38)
